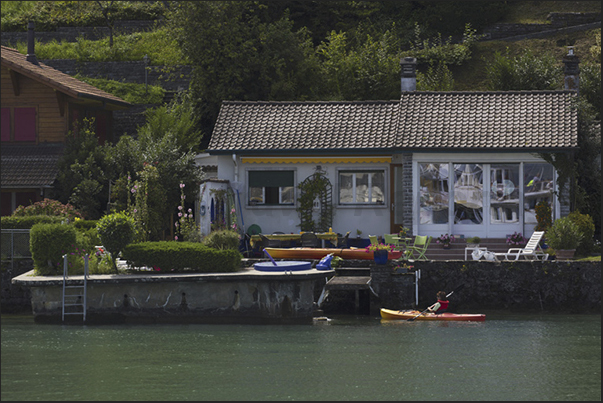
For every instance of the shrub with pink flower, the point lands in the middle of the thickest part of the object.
(516, 239)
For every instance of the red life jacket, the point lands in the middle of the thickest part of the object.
(443, 305)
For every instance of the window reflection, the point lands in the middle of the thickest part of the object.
(468, 194)
(434, 193)
(504, 193)
(538, 185)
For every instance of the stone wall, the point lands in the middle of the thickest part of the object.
(70, 34)
(553, 286)
(170, 78)
(557, 21)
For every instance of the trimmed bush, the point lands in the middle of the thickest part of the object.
(26, 222)
(222, 239)
(171, 256)
(48, 243)
(116, 231)
(564, 234)
(587, 228)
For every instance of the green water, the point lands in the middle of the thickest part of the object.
(508, 357)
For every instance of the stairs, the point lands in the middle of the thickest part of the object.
(74, 292)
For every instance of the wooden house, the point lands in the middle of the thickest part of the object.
(40, 106)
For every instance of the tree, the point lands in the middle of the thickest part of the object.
(82, 180)
(525, 72)
(116, 231)
(177, 118)
(239, 56)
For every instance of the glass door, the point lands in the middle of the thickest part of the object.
(468, 193)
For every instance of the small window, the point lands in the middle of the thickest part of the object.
(271, 188)
(362, 187)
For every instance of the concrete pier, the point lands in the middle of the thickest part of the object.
(247, 296)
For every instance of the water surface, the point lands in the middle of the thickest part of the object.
(508, 357)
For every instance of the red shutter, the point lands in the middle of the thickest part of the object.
(5, 124)
(25, 124)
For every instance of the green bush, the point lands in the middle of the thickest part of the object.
(222, 239)
(26, 222)
(116, 231)
(564, 234)
(587, 228)
(171, 256)
(48, 243)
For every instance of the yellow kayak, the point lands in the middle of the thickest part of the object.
(391, 314)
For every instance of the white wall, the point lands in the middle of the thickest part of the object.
(370, 220)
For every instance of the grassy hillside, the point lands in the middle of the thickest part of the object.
(163, 51)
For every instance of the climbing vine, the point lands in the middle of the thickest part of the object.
(316, 186)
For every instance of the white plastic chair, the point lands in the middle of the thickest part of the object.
(532, 250)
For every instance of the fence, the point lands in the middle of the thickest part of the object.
(15, 245)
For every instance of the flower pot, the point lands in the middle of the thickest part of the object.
(564, 254)
(380, 256)
(445, 246)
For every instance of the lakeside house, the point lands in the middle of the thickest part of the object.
(40, 106)
(463, 163)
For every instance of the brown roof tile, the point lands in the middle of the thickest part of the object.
(30, 166)
(11, 58)
(520, 120)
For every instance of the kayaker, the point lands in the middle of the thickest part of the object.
(441, 306)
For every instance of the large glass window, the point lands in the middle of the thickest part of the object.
(433, 193)
(468, 194)
(271, 188)
(538, 185)
(504, 193)
(362, 187)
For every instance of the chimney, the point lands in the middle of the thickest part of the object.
(31, 56)
(571, 70)
(408, 78)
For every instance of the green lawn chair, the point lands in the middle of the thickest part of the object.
(374, 240)
(419, 248)
(392, 239)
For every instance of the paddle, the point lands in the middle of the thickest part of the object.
(268, 254)
(451, 292)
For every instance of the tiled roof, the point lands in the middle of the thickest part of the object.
(520, 120)
(11, 58)
(485, 120)
(30, 166)
(311, 126)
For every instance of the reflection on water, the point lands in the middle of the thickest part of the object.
(508, 357)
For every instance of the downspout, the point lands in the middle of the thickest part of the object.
(236, 168)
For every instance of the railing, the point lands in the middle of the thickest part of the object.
(15, 245)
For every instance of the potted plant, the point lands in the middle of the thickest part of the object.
(445, 240)
(516, 239)
(564, 236)
(473, 241)
(380, 252)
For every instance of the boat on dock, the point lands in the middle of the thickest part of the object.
(319, 253)
(391, 314)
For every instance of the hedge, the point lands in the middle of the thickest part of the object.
(26, 222)
(171, 256)
(48, 243)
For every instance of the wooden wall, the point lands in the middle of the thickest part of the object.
(51, 126)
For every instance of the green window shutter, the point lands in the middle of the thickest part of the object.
(258, 179)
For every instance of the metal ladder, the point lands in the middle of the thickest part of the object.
(74, 295)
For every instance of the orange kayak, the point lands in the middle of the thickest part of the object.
(319, 253)
(403, 315)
